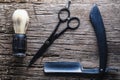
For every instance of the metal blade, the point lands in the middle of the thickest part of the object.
(62, 67)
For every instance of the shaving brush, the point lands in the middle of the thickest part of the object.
(20, 23)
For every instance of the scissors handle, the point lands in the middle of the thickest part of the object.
(70, 21)
(68, 27)
(61, 13)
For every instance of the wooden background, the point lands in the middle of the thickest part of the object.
(79, 45)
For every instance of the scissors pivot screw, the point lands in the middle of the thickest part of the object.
(101, 69)
(68, 18)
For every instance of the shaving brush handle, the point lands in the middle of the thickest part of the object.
(19, 45)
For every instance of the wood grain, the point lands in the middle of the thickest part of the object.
(79, 45)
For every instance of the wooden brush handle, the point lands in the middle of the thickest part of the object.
(19, 45)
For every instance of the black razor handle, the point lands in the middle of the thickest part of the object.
(19, 45)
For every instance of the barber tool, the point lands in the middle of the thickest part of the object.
(75, 68)
(20, 22)
(63, 16)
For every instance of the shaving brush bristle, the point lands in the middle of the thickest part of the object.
(20, 21)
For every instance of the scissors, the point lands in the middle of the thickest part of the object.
(56, 35)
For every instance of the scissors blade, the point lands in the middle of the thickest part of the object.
(45, 46)
(40, 52)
